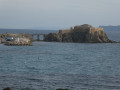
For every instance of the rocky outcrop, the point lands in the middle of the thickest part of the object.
(83, 34)
(66, 37)
(53, 37)
(89, 34)
(61, 89)
(8, 88)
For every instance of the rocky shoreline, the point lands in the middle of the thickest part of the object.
(8, 88)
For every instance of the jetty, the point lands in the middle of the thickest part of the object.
(11, 39)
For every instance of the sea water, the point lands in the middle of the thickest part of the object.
(52, 65)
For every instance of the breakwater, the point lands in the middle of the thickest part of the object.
(16, 39)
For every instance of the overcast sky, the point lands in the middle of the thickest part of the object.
(58, 13)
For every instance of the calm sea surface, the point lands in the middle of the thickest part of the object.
(52, 65)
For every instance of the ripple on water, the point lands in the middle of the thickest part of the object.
(61, 65)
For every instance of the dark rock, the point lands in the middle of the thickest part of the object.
(62, 89)
(8, 88)
(23, 89)
(78, 36)
(53, 37)
(66, 37)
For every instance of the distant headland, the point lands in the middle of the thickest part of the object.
(110, 27)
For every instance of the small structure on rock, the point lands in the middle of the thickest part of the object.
(16, 39)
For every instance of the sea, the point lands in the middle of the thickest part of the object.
(53, 65)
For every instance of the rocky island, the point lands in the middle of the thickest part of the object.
(83, 34)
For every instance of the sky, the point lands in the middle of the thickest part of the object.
(58, 14)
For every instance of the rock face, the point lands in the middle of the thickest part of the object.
(8, 88)
(84, 33)
(61, 89)
(53, 37)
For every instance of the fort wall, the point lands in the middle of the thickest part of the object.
(65, 31)
(92, 30)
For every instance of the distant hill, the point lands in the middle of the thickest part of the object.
(110, 27)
